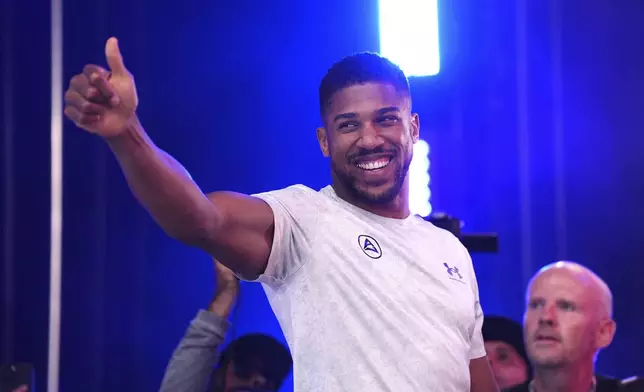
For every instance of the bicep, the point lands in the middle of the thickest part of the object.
(481, 377)
(243, 237)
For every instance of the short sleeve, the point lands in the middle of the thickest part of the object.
(477, 346)
(296, 214)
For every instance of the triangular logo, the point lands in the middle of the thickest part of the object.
(369, 246)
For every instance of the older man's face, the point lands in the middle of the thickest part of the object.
(563, 322)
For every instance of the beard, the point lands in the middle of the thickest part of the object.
(372, 196)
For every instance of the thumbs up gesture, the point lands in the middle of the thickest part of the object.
(103, 101)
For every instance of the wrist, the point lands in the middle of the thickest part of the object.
(224, 296)
(222, 305)
(132, 134)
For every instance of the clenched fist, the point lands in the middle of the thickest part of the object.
(225, 292)
(101, 101)
(227, 281)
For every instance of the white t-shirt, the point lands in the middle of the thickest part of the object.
(369, 303)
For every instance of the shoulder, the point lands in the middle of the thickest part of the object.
(295, 200)
(444, 239)
(291, 192)
(436, 232)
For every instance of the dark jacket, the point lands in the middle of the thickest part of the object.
(604, 384)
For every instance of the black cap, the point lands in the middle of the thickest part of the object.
(503, 329)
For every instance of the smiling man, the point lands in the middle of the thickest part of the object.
(369, 296)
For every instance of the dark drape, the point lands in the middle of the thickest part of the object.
(24, 177)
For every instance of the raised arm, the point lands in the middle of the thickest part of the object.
(223, 224)
(193, 361)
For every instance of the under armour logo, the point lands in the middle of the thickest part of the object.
(453, 271)
(369, 246)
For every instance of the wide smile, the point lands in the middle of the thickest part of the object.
(372, 165)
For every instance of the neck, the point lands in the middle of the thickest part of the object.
(566, 379)
(398, 208)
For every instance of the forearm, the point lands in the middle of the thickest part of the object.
(194, 359)
(164, 187)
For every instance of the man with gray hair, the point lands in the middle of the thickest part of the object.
(567, 321)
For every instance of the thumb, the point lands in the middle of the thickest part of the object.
(114, 58)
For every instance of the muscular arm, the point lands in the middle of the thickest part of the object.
(482, 379)
(236, 229)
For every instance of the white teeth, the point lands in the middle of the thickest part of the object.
(373, 165)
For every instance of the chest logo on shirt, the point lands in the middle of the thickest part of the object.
(370, 246)
(453, 273)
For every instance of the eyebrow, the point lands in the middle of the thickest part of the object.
(387, 110)
(351, 115)
(558, 301)
(345, 116)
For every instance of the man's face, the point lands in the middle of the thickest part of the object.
(508, 366)
(247, 377)
(369, 134)
(562, 323)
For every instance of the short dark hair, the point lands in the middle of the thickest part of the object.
(275, 359)
(360, 68)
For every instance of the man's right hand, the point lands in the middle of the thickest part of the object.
(101, 101)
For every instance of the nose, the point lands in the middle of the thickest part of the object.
(548, 315)
(369, 138)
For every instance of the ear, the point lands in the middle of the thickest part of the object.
(323, 141)
(605, 333)
(415, 127)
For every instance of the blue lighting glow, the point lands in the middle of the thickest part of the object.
(419, 191)
(409, 35)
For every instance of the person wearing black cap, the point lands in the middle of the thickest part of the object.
(505, 351)
(251, 363)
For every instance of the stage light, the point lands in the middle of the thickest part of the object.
(409, 35)
(419, 180)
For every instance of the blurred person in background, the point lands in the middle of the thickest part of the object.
(568, 320)
(506, 353)
(253, 362)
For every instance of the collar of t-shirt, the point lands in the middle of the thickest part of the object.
(330, 193)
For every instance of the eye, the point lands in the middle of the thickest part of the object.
(534, 304)
(388, 120)
(567, 306)
(348, 126)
